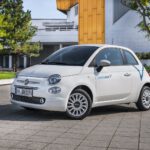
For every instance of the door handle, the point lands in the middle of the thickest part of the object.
(127, 74)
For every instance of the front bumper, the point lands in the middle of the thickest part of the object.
(52, 102)
(57, 104)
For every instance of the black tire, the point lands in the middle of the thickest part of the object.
(143, 103)
(88, 100)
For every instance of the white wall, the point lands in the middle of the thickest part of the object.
(125, 32)
(56, 37)
(147, 62)
(71, 17)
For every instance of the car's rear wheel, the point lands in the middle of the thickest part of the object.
(143, 103)
(79, 104)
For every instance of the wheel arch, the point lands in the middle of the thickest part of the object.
(140, 105)
(85, 88)
(147, 84)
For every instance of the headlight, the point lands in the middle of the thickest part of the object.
(54, 90)
(54, 79)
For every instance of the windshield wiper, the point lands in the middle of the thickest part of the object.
(55, 63)
(45, 63)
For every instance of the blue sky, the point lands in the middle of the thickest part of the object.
(43, 9)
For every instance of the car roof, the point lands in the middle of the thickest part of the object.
(104, 45)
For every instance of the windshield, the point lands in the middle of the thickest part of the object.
(72, 56)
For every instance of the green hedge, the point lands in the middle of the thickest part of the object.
(148, 68)
(143, 55)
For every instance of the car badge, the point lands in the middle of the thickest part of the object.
(26, 82)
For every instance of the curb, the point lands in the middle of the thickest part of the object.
(6, 82)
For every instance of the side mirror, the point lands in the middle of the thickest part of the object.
(103, 63)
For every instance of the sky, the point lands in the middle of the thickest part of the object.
(43, 9)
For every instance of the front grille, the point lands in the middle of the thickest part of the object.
(32, 100)
(29, 82)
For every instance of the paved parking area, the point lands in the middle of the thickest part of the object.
(107, 128)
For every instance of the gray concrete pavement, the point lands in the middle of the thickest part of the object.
(6, 82)
(107, 128)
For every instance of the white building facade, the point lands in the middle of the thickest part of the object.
(121, 27)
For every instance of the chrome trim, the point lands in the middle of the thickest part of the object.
(30, 82)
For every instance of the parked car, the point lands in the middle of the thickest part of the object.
(76, 79)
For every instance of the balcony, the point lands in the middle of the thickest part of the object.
(65, 5)
(55, 31)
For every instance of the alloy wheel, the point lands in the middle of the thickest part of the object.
(146, 98)
(77, 105)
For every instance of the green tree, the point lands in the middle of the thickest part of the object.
(16, 30)
(143, 8)
(3, 32)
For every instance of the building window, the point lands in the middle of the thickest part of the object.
(118, 10)
(76, 10)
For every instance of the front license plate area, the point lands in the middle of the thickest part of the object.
(24, 92)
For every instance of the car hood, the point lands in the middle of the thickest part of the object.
(44, 71)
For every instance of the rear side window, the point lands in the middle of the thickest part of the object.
(130, 58)
(112, 54)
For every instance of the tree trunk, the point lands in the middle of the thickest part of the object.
(15, 62)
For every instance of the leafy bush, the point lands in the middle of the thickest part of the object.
(148, 68)
(143, 55)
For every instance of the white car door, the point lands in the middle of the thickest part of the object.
(137, 72)
(115, 81)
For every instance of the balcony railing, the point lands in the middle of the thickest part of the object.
(53, 29)
(58, 23)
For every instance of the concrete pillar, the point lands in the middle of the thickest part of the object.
(60, 46)
(109, 15)
(10, 62)
(25, 61)
(4, 62)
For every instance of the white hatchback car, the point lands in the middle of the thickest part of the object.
(75, 79)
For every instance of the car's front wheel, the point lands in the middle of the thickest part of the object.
(79, 104)
(143, 103)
